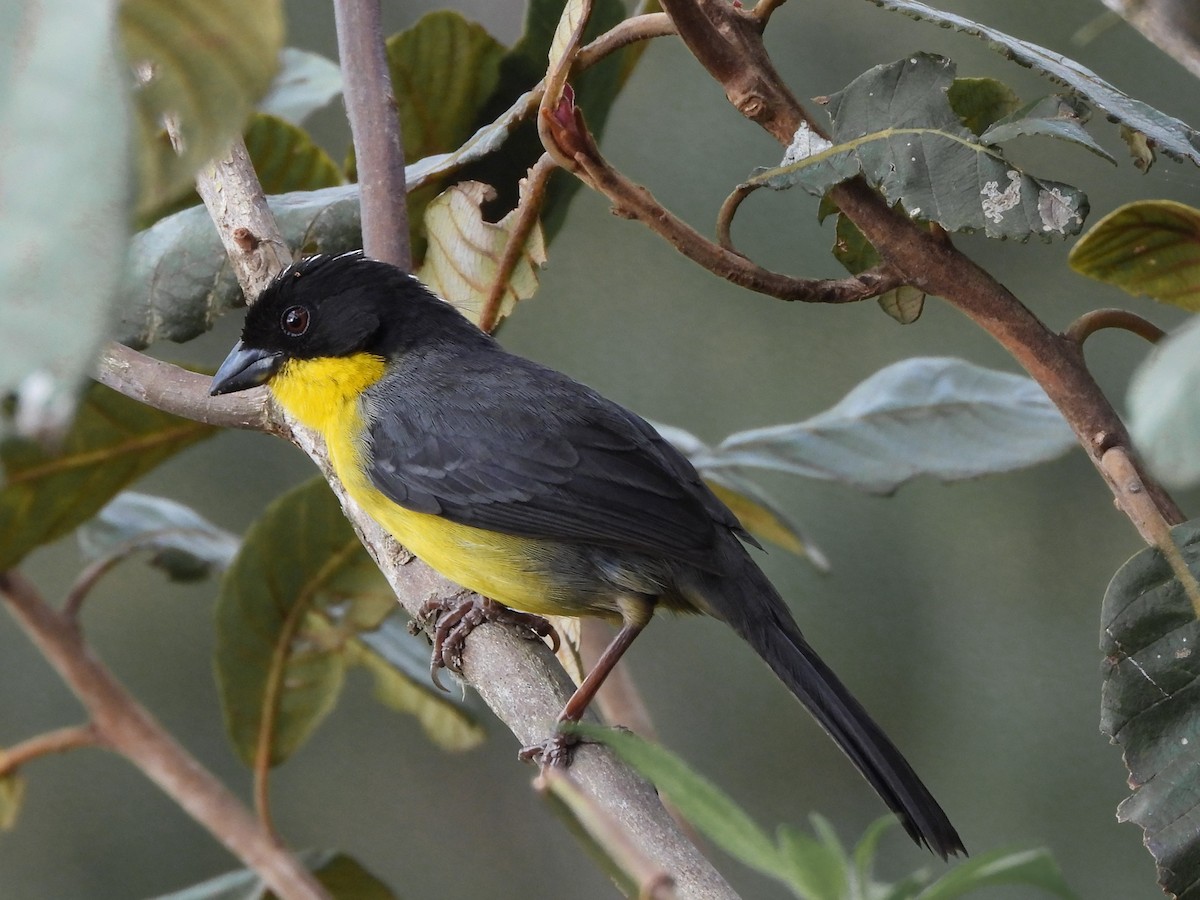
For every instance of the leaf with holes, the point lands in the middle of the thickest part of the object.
(112, 441)
(894, 126)
(1150, 638)
(1166, 133)
(465, 252)
(301, 591)
(208, 62)
(1148, 247)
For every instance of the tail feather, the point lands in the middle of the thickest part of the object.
(759, 615)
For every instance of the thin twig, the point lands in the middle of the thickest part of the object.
(58, 741)
(726, 213)
(1098, 319)
(375, 126)
(123, 725)
(529, 208)
(764, 9)
(570, 139)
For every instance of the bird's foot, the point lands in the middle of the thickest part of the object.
(557, 751)
(453, 618)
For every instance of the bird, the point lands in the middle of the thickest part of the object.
(530, 489)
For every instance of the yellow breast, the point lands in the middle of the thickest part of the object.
(324, 394)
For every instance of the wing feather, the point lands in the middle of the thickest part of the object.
(497, 442)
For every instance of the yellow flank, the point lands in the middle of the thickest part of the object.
(323, 394)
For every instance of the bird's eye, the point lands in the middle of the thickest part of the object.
(294, 320)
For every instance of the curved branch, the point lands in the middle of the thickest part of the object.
(58, 741)
(1098, 319)
(569, 138)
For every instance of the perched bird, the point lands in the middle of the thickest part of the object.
(529, 488)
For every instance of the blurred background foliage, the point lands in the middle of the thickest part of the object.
(965, 617)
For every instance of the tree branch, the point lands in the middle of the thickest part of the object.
(378, 145)
(122, 724)
(727, 41)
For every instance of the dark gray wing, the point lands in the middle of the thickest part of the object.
(497, 442)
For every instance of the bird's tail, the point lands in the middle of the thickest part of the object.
(759, 615)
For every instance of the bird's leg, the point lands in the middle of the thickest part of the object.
(557, 750)
(456, 616)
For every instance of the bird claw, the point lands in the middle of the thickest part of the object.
(557, 751)
(453, 618)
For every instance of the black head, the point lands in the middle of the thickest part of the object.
(331, 306)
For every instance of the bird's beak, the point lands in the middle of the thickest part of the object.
(244, 368)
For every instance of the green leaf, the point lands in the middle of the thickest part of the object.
(342, 876)
(852, 249)
(704, 805)
(294, 611)
(1168, 134)
(465, 251)
(185, 545)
(894, 125)
(868, 846)
(63, 170)
(444, 68)
(979, 102)
(1150, 638)
(112, 442)
(177, 280)
(814, 869)
(209, 62)
(1033, 868)
(1164, 406)
(1055, 116)
(1147, 247)
(904, 304)
(346, 879)
(280, 663)
(286, 159)
(934, 416)
(12, 793)
(399, 663)
(523, 66)
(305, 82)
